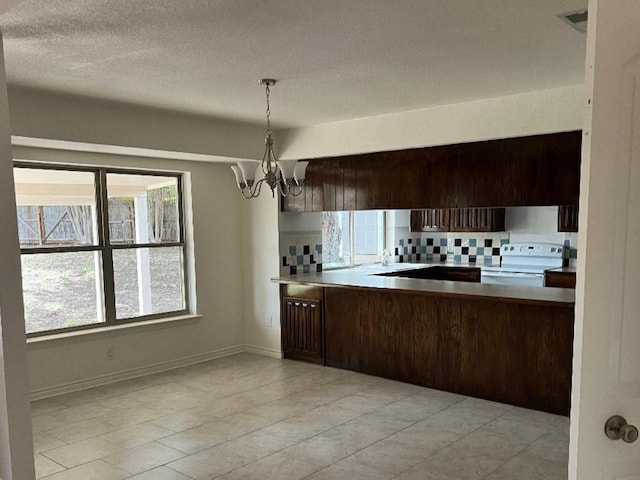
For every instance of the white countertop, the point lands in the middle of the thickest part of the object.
(364, 277)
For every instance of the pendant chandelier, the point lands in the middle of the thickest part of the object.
(284, 176)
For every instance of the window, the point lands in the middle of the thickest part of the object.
(352, 238)
(99, 246)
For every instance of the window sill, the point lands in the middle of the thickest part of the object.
(112, 328)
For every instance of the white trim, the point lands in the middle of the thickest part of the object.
(151, 369)
(133, 373)
(113, 328)
(267, 352)
(120, 150)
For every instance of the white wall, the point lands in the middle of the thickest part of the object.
(259, 227)
(533, 224)
(56, 116)
(16, 447)
(300, 221)
(218, 274)
(531, 113)
(398, 224)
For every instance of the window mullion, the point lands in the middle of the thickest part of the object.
(102, 202)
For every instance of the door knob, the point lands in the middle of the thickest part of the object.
(617, 428)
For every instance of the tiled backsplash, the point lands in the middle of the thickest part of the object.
(571, 243)
(483, 249)
(300, 253)
(479, 248)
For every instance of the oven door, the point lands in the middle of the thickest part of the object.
(513, 278)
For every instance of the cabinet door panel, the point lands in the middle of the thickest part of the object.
(302, 332)
(568, 218)
(493, 359)
(440, 173)
(458, 220)
(332, 186)
(349, 184)
(343, 313)
(477, 220)
(430, 220)
(397, 180)
(364, 186)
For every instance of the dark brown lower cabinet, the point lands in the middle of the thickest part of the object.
(516, 353)
(560, 279)
(301, 323)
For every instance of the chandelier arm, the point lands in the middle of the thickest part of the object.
(257, 188)
(244, 194)
(249, 192)
(283, 188)
(265, 159)
(295, 190)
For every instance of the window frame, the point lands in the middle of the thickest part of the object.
(351, 230)
(106, 249)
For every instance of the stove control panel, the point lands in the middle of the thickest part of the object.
(551, 250)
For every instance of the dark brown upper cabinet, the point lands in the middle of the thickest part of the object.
(477, 220)
(430, 220)
(568, 218)
(458, 220)
(525, 171)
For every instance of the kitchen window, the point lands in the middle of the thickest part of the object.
(99, 246)
(352, 238)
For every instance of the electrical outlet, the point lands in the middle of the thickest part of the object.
(269, 321)
(111, 352)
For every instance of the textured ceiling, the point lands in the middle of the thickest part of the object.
(335, 59)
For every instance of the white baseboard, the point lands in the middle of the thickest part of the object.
(140, 372)
(267, 352)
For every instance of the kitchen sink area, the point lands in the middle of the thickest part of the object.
(438, 272)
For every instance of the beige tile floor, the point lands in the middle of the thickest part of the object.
(253, 417)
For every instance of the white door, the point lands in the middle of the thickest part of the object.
(606, 378)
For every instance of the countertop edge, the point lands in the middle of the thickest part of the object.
(543, 296)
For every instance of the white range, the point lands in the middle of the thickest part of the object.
(524, 264)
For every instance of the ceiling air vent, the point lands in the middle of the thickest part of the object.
(577, 19)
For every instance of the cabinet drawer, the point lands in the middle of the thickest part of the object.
(560, 279)
(301, 291)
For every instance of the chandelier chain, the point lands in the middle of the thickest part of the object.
(268, 91)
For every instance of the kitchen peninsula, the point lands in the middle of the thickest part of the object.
(503, 343)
